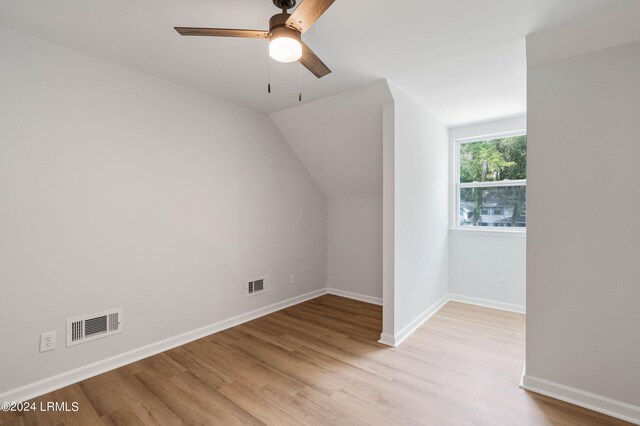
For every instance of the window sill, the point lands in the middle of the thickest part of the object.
(489, 233)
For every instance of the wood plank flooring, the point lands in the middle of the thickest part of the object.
(319, 363)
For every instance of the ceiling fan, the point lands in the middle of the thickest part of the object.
(284, 35)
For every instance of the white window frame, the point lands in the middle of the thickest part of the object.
(457, 186)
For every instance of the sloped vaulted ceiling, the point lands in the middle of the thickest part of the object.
(339, 140)
(428, 48)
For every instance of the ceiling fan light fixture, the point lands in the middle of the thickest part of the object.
(285, 45)
(284, 34)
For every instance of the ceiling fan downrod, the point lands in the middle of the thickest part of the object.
(284, 5)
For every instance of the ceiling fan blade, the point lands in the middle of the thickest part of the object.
(307, 13)
(311, 62)
(221, 32)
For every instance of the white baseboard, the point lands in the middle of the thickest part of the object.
(388, 339)
(50, 384)
(400, 336)
(592, 401)
(391, 340)
(487, 303)
(355, 296)
(608, 406)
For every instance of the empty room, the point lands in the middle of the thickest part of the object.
(319, 212)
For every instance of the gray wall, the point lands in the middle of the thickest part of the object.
(583, 242)
(354, 245)
(478, 259)
(421, 215)
(339, 140)
(122, 190)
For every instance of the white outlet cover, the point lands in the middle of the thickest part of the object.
(292, 279)
(47, 341)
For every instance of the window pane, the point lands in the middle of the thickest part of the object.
(494, 160)
(501, 206)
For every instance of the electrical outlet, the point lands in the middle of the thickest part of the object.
(292, 279)
(502, 282)
(48, 341)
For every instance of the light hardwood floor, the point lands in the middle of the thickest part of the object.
(319, 363)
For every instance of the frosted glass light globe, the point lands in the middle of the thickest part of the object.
(285, 49)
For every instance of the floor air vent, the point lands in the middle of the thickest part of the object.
(258, 285)
(90, 327)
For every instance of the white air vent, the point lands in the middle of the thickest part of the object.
(258, 285)
(90, 327)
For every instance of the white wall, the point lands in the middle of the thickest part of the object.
(478, 260)
(339, 140)
(388, 223)
(122, 190)
(354, 245)
(583, 272)
(421, 219)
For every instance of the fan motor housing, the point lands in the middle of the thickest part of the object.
(278, 27)
(278, 20)
(284, 31)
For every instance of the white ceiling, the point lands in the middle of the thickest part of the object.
(462, 59)
(339, 140)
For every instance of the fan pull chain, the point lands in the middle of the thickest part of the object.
(300, 81)
(269, 68)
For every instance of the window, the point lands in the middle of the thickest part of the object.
(491, 182)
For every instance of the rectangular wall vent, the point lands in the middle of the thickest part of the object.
(90, 327)
(258, 285)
